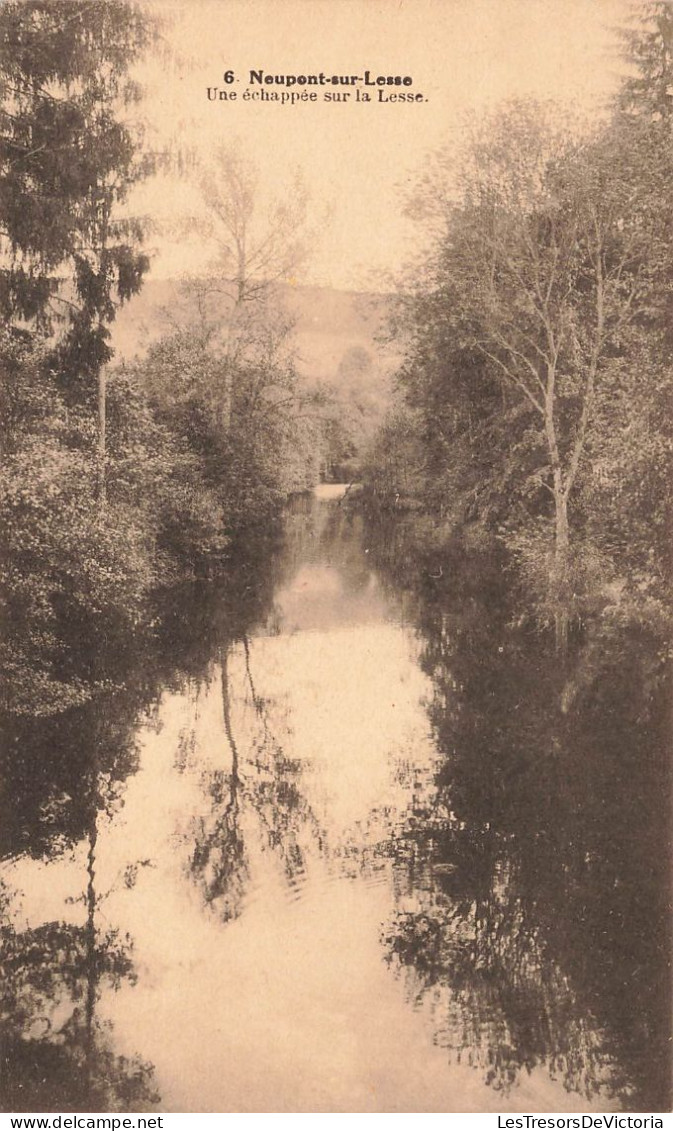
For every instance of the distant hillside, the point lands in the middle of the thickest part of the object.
(330, 325)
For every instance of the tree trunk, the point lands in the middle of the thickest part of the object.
(102, 486)
(90, 967)
(561, 579)
(560, 569)
(226, 399)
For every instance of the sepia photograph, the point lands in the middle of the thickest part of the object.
(336, 405)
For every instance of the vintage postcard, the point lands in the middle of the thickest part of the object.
(336, 386)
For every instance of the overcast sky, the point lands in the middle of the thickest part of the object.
(462, 55)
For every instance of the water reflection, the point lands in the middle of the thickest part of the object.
(219, 858)
(347, 841)
(46, 764)
(260, 782)
(535, 918)
(326, 580)
(64, 780)
(57, 1053)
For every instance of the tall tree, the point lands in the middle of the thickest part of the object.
(544, 269)
(259, 242)
(68, 158)
(648, 48)
(69, 155)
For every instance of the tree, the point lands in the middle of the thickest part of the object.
(259, 243)
(244, 435)
(68, 157)
(648, 47)
(68, 161)
(257, 247)
(544, 269)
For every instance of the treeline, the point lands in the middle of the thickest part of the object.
(534, 403)
(119, 480)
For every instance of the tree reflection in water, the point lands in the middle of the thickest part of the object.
(64, 774)
(261, 781)
(532, 873)
(57, 1054)
(202, 627)
(219, 859)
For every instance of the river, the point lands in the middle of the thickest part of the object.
(320, 861)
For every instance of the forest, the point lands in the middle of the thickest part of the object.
(533, 405)
(120, 479)
(531, 415)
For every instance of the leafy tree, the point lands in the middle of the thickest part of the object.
(648, 47)
(68, 160)
(257, 246)
(260, 242)
(229, 461)
(68, 157)
(550, 266)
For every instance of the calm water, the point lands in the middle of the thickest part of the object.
(336, 848)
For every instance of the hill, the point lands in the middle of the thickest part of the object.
(330, 326)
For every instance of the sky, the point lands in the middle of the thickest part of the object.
(356, 157)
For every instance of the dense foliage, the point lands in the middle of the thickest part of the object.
(116, 481)
(536, 386)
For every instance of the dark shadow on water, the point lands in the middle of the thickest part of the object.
(263, 781)
(61, 775)
(56, 1053)
(534, 871)
(531, 873)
